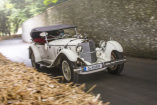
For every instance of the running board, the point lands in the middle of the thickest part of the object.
(44, 63)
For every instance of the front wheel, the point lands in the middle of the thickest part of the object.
(116, 69)
(34, 64)
(67, 69)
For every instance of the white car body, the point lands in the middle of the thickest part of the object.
(50, 54)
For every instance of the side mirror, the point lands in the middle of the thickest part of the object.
(75, 36)
(78, 36)
(85, 36)
(43, 34)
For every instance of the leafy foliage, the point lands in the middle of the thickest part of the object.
(5, 11)
(24, 10)
(50, 3)
(47, 2)
(14, 12)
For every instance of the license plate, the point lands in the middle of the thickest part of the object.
(92, 67)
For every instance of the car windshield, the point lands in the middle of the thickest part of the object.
(48, 36)
(63, 33)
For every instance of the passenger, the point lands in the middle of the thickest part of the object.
(60, 33)
(39, 39)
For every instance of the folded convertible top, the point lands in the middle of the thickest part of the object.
(51, 28)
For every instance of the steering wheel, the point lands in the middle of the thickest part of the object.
(67, 35)
(50, 37)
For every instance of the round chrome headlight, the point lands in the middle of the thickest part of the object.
(79, 48)
(102, 44)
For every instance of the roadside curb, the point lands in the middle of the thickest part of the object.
(10, 37)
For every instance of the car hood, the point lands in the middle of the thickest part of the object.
(63, 42)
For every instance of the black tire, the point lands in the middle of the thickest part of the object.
(116, 69)
(34, 64)
(66, 69)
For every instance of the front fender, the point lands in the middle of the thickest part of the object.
(112, 45)
(68, 53)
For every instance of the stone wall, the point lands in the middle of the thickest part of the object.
(133, 23)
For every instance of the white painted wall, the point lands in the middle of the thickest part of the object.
(29, 24)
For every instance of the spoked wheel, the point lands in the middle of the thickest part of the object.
(67, 69)
(116, 69)
(34, 64)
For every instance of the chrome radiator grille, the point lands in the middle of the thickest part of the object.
(88, 53)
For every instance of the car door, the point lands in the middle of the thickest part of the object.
(51, 53)
(47, 55)
(43, 52)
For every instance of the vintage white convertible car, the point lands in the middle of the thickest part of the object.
(74, 54)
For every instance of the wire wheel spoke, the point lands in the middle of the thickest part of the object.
(33, 60)
(113, 57)
(66, 70)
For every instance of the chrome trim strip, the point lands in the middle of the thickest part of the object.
(89, 52)
(62, 45)
(105, 65)
(92, 71)
(110, 63)
(76, 70)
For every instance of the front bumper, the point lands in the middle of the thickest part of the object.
(81, 70)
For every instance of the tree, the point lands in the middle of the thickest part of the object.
(5, 11)
(14, 12)
(50, 3)
(24, 10)
(47, 2)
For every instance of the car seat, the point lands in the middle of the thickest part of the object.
(40, 40)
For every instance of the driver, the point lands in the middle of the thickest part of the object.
(60, 33)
